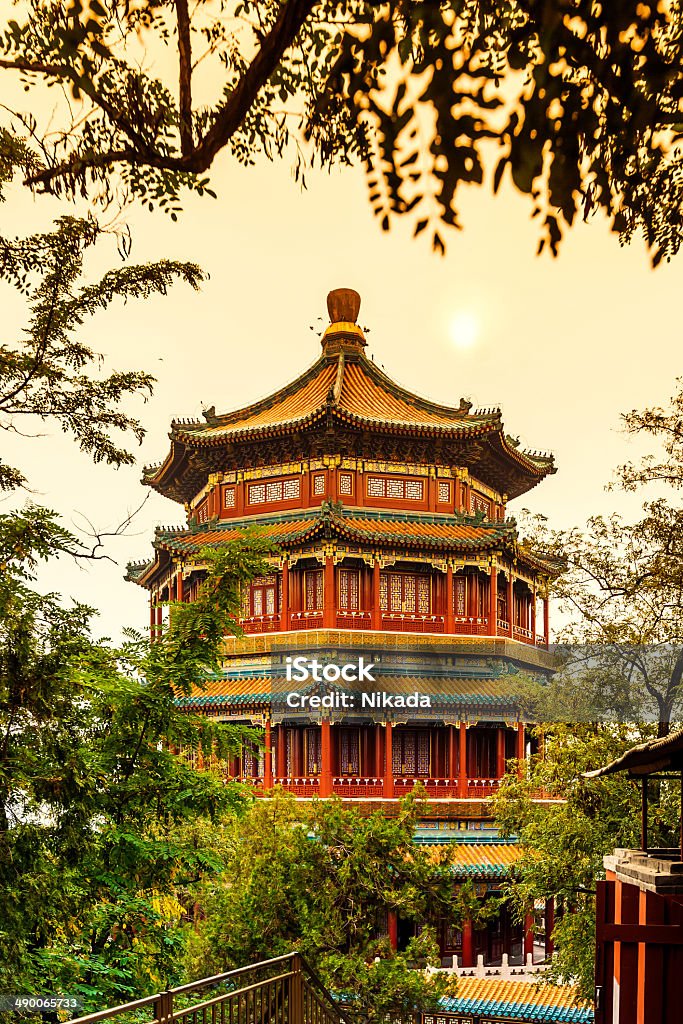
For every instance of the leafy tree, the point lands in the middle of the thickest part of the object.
(564, 842)
(50, 374)
(321, 879)
(580, 103)
(95, 851)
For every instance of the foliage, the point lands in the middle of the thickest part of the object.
(564, 841)
(321, 879)
(580, 103)
(50, 373)
(96, 847)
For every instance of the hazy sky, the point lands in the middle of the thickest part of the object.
(564, 346)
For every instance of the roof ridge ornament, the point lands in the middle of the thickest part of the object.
(343, 333)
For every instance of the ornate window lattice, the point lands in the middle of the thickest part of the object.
(203, 512)
(345, 483)
(314, 590)
(289, 753)
(228, 497)
(349, 752)
(410, 753)
(319, 483)
(480, 504)
(404, 593)
(274, 490)
(396, 488)
(313, 751)
(460, 595)
(252, 761)
(349, 590)
(263, 595)
(444, 491)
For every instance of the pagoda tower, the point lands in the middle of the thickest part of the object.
(389, 516)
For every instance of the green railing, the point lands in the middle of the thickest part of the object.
(284, 990)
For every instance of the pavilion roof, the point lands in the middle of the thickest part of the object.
(505, 999)
(345, 387)
(489, 860)
(659, 755)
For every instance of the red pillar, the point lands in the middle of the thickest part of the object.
(528, 935)
(284, 614)
(450, 609)
(325, 758)
(511, 602)
(378, 751)
(467, 943)
(493, 602)
(329, 595)
(152, 620)
(392, 924)
(521, 748)
(160, 621)
(500, 753)
(462, 755)
(452, 755)
(268, 757)
(388, 791)
(179, 586)
(546, 619)
(549, 925)
(376, 610)
(281, 753)
(533, 614)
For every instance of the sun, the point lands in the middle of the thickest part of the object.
(464, 330)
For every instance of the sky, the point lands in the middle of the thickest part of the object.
(563, 345)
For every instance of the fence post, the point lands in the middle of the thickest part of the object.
(163, 1008)
(296, 1003)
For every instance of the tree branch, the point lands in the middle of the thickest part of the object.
(185, 83)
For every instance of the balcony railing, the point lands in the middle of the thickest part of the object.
(261, 624)
(406, 623)
(307, 620)
(354, 620)
(353, 787)
(471, 625)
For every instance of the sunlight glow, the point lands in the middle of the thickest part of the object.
(464, 329)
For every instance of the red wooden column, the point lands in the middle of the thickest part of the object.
(546, 619)
(528, 935)
(376, 610)
(549, 925)
(533, 614)
(467, 943)
(281, 753)
(160, 621)
(284, 614)
(500, 753)
(268, 757)
(152, 620)
(493, 602)
(325, 758)
(392, 927)
(653, 961)
(452, 755)
(388, 789)
(462, 761)
(379, 760)
(450, 607)
(329, 595)
(521, 748)
(626, 911)
(511, 602)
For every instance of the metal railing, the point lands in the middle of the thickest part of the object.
(284, 990)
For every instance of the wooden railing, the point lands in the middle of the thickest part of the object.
(284, 990)
(406, 623)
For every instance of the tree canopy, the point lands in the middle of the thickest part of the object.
(577, 103)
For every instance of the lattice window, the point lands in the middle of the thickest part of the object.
(409, 592)
(444, 491)
(349, 752)
(423, 595)
(405, 593)
(274, 490)
(395, 488)
(396, 594)
(319, 483)
(376, 487)
(345, 483)
(423, 754)
(414, 490)
(480, 504)
(289, 753)
(384, 593)
(313, 751)
(314, 590)
(349, 590)
(263, 595)
(257, 494)
(203, 512)
(397, 763)
(228, 497)
(258, 601)
(460, 595)
(291, 489)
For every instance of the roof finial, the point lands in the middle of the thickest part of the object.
(343, 305)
